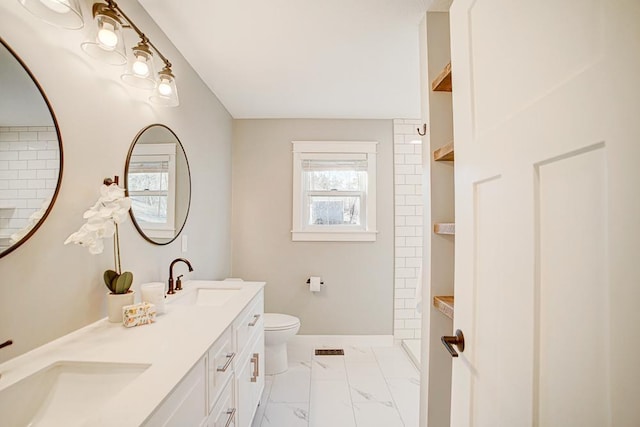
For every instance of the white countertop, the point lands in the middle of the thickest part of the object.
(172, 346)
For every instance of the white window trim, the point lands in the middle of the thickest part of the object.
(151, 152)
(333, 149)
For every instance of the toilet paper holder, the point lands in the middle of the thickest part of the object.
(309, 281)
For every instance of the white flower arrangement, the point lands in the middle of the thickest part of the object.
(102, 222)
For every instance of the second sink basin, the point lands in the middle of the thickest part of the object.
(212, 297)
(65, 393)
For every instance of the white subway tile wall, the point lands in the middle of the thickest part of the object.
(29, 167)
(408, 225)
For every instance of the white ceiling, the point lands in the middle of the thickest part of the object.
(301, 58)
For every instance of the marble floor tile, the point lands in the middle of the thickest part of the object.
(328, 368)
(268, 383)
(367, 387)
(286, 415)
(300, 352)
(358, 354)
(372, 392)
(330, 404)
(367, 383)
(376, 414)
(292, 385)
(395, 363)
(264, 400)
(406, 395)
(363, 369)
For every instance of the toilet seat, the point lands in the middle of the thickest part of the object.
(280, 322)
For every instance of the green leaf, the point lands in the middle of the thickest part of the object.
(123, 282)
(109, 277)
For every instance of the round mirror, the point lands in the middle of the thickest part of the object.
(30, 153)
(158, 181)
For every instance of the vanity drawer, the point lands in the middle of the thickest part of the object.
(224, 411)
(220, 365)
(250, 322)
(185, 406)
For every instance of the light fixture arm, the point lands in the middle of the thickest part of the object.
(113, 6)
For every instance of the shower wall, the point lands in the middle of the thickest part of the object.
(408, 226)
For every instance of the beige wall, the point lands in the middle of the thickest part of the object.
(48, 289)
(358, 296)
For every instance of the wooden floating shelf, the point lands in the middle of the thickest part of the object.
(442, 83)
(448, 228)
(444, 153)
(444, 305)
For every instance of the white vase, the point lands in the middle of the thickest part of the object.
(115, 302)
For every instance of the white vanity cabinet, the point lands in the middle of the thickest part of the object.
(220, 359)
(250, 381)
(224, 412)
(225, 386)
(199, 364)
(249, 328)
(186, 405)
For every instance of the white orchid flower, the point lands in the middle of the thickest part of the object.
(96, 247)
(88, 238)
(111, 193)
(92, 211)
(102, 218)
(102, 222)
(101, 227)
(121, 212)
(103, 212)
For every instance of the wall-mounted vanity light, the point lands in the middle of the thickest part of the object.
(166, 92)
(61, 13)
(140, 70)
(107, 44)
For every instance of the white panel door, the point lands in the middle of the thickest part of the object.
(546, 102)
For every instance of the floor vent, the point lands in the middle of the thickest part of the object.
(329, 352)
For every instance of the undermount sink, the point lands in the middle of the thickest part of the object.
(65, 393)
(212, 297)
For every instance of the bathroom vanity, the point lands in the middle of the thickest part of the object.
(200, 364)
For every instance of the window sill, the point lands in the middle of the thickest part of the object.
(159, 233)
(334, 236)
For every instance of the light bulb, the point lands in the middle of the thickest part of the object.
(164, 88)
(107, 35)
(58, 6)
(140, 67)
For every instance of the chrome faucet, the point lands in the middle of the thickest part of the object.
(173, 290)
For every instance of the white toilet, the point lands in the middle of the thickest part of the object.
(278, 328)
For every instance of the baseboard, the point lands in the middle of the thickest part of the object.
(344, 340)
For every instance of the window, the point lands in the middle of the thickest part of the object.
(334, 191)
(151, 182)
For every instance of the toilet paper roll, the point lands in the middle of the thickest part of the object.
(154, 293)
(314, 285)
